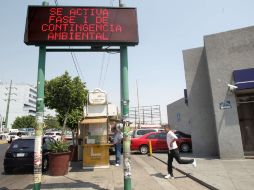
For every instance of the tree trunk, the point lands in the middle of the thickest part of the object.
(64, 124)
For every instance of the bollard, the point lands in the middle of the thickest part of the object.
(150, 149)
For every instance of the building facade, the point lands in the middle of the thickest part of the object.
(178, 116)
(22, 101)
(220, 86)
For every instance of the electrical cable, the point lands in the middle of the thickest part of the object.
(56, 2)
(82, 76)
(74, 58)
(75, 63)
(101, 71)
(105, 75)
(102, 82)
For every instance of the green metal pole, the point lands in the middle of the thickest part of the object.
(39, 119)
(39, 116)
(125, 113)
(8, 106)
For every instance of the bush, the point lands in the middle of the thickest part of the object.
(59, 147)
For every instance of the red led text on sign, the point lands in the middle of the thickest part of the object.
(81, 26)
(64, 26)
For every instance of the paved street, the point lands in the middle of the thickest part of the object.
(147, 173)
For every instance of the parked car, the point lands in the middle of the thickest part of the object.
(55, 135)
(21, 154)
(14, 135)
(184, 141)
(4, 136)
(140, 132)
(159, 143)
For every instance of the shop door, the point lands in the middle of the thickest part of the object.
(246, 120)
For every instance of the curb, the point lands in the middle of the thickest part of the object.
(3, 142)
(190, 176)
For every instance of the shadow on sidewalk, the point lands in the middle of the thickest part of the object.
(74, 184)
(160, 175)
(190, 155)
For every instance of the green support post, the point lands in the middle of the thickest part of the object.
(39, 119)
(125, 113)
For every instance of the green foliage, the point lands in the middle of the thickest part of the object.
(73, 118)
(24, 122)
(51, 122)
(67, 96)
(58, 147)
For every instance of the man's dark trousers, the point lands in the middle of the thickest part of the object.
(174, 153)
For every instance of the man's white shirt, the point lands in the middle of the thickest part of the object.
(170, 137)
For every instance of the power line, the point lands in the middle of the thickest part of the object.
(105, 75)
(101, 71)
(82, 76)
(74, 59)
(56, 2)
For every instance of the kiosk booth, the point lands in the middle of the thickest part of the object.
(94, 129)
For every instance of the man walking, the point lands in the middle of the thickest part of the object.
(174, 153)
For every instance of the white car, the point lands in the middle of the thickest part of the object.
(54, 135)
(14, 135)
(4, 136)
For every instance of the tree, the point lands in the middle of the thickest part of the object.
(65, 95)
(51, 122)
(24, 122)
(72, 121)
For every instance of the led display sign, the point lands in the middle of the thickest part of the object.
(56, 26)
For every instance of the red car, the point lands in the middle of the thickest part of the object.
(159, 142)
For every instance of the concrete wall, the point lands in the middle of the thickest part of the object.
(225, 53)
(204, 137)
(178, 116)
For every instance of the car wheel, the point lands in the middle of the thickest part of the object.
(185, 147)
(7, 170)
(143, 149)
(45, 164)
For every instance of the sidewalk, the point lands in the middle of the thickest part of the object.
(147, 174)
(222, 174)
(143, 177)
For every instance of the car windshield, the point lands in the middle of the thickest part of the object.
(49, 133)
(13, 133)
(22, 143)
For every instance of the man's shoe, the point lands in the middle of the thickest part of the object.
(117, 165)
(168, 177)
(194, 163)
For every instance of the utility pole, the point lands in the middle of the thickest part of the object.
(138, 106)
(8, 105)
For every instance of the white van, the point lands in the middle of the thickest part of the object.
(13, 130)
(140, 132)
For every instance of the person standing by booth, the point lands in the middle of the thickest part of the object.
(118, 145)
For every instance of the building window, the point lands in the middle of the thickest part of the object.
(32, 90)
(32, 102)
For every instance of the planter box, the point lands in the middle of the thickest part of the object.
(59, 163)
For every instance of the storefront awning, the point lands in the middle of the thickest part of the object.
(244, 79)
(93, 120)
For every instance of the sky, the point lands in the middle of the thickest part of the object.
(166, 27)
